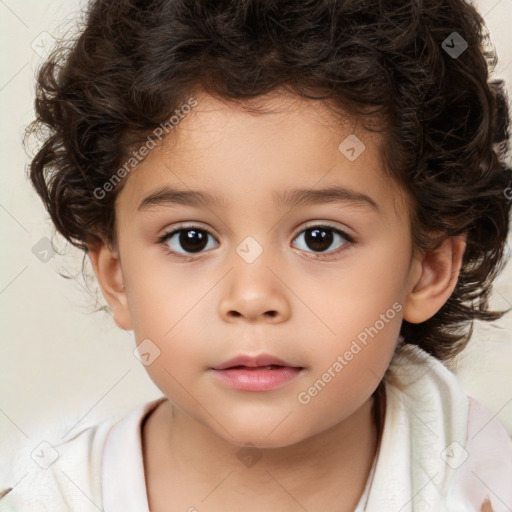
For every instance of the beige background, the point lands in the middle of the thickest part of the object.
(62, 367)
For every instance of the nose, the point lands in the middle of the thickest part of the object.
(254, 292)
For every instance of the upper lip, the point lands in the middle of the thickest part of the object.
(254, 361)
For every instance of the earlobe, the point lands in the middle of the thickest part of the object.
(438, 274)
(107, 268)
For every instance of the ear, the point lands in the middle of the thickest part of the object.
(438, 271)
(107, 267)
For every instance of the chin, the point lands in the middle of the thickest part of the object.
(258, 436)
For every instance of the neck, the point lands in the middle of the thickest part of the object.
(331, 465)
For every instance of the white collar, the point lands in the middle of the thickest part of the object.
(123, 482)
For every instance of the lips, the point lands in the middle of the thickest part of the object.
(263, 361)
(260, 373)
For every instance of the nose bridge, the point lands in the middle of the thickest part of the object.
(253, 285)
(255, 232)
(254, 261)
(251, 249)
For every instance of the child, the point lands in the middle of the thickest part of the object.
(341, 167)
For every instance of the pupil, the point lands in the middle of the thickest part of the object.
(192, 240)
(318, 239)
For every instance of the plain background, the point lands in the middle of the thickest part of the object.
(63, 367)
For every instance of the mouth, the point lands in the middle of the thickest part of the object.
(269, 367)
(262, 361)
(261, 373)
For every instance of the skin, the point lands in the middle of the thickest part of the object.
(205, 310)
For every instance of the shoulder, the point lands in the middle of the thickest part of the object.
(55, 476)
(483, 466)
(440, 449)
(61, 475)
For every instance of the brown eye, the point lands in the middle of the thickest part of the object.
(321, 238)
(191, 240)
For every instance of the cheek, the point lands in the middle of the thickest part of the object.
(350, 364)
(159, 294)
(353, 295)
(360, 308)
(166, 309)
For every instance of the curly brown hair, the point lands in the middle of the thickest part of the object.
(386, 63)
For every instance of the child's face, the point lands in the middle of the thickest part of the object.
(205, 309)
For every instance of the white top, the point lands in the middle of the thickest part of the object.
(440, 451)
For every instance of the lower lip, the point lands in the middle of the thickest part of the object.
(259, 379)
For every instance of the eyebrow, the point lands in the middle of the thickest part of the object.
(167, 196)
(333, 194)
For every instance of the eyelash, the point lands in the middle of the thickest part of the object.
(349, 241)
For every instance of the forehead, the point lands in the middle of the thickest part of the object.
(235, 155)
